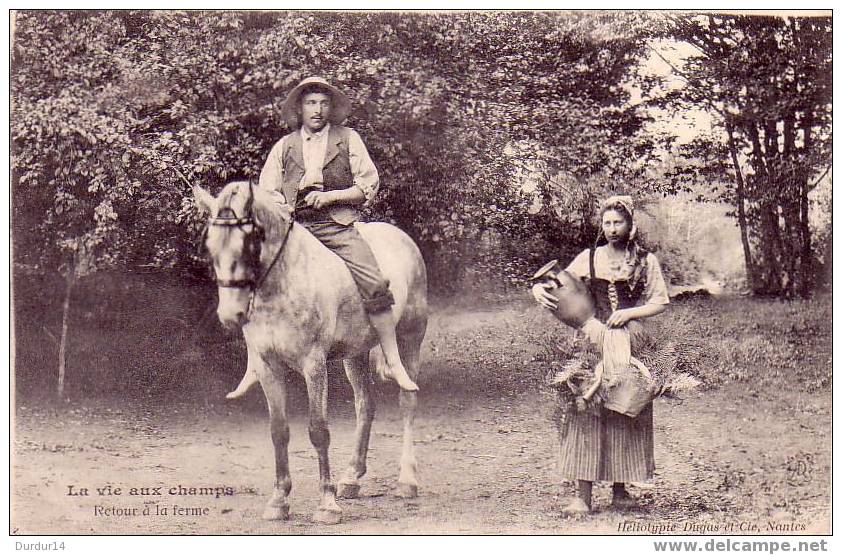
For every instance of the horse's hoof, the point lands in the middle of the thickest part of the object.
(348, 491)
(325, 516)
(407, 491)
(276, 513)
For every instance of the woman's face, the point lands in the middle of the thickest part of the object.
(615, 227)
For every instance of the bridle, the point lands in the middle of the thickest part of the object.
(252, 246)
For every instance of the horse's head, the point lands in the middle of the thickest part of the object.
(240, 219)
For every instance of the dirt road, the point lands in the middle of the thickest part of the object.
(486, 457)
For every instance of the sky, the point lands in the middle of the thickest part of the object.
(688, 124)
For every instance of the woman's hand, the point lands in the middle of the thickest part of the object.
(541, 293)
(622, 317)
(619, 318)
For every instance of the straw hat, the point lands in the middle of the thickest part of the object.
(340, 108)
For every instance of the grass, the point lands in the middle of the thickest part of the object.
(785, 344)
(137, 339)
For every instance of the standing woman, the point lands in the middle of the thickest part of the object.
(598, 444)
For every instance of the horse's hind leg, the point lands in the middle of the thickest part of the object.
(357, 371)
(315, 374)
(275, 390)
(410, 345)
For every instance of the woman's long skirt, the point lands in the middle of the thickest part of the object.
(607, 446)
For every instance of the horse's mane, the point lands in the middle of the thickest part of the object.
(273, 213)
(265, 203)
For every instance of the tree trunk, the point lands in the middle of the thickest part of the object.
(741, 209)
(827, 274)
(65, 316)
(794, 209)
(765, 193)
(806, 278)
(770, 240)
(787, 212)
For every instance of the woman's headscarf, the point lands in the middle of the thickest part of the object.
(626, 203)
(635, 254)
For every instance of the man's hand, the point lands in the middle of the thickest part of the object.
(541, 294)
(318, 199)
(619, 318)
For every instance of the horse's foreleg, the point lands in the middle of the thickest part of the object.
(275, 391)
(357, 371)
(315, 374)
(408, 479)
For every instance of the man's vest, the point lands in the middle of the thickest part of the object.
(336, 174)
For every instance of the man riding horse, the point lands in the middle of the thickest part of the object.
(323, 170)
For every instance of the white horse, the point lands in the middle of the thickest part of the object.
(299, 307)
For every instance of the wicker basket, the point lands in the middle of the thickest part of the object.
(634, 389)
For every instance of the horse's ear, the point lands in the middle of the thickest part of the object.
(204, 200)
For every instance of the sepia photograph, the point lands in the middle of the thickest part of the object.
(427, 273)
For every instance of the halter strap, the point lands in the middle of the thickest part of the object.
(236, 283)
(232, 222)
(248, 219)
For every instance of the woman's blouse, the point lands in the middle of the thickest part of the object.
(655, 291)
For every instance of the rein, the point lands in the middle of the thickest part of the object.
(274, 259)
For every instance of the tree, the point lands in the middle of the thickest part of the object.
(67, 185)
(110, 107)
(767, 80)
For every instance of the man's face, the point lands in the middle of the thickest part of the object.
(315, 111)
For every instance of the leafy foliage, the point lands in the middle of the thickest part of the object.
(767, 80)
(110, 108)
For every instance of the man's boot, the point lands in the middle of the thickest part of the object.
(384, 324)
(248, 380)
